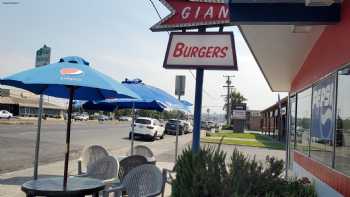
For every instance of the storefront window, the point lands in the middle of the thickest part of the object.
(322, 125)
(342, 152)
(291, 131)
(303, 121)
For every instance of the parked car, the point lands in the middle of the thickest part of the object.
(148, 128)
(125, 118)
(208, 125)
(204, 125)
(103, 118)
(5, 114)
(189, 126)
(172, 124)
(81, 117)
(211, 125)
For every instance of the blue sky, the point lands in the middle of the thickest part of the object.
(114, 36)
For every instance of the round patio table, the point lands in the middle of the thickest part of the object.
(76, 186)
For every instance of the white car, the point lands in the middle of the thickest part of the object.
(125, 118)
(189, 126)
(148, 128)
(81, 117)
(5, 114)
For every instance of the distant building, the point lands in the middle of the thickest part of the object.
(22, 103)
(253, 120)
(271, 118)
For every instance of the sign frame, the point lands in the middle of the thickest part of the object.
(162, 26)
(206, 67)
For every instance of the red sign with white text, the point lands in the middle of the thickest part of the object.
(192, 50)
(190, 14)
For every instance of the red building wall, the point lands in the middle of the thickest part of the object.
(330, 52)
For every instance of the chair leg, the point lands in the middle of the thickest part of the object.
(117, 194)
(79, 167)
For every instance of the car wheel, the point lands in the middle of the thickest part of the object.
(154, 136)
(162, 136)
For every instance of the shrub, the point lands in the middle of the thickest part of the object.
(201, 174)
(227, 127)
(206, 175)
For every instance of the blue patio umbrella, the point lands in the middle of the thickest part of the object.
(71, 78)
(151, 98)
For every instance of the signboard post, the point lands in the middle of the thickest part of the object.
(202, 50)
(42, 58)
(239, 116)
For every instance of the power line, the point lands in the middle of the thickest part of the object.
(194, 77)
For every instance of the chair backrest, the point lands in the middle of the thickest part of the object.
(129, 163)
(103, 169)
(93, 153)
(143, 180)
(143, 151)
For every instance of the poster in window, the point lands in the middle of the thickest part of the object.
(323, 109)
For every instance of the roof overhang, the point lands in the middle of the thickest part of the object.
(281, 33)
(279, 51)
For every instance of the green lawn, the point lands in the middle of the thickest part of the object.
(230, 134)
(243, 139)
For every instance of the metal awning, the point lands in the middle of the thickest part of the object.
(279, 51)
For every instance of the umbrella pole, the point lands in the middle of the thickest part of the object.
(132, 129)
(177, 132)
(37, 145)
(69, 122)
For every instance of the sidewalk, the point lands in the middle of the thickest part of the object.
(10, 183)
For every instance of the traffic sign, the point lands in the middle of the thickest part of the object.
(192, 50)
(180, 84)
(43, 56)
(192, 14)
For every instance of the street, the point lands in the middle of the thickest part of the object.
(17, 142)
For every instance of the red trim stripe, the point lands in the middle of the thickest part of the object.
(331, 177)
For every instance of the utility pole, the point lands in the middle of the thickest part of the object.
(228, 86)
(208, 111)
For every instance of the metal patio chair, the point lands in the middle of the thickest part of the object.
(105, 169)
(142, 181)
(90, 155)
(146, 152)
(168, 178)
(129, 163)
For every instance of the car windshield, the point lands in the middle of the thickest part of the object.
(174, 121)
(143, 121)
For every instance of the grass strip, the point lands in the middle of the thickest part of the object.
(261, 143)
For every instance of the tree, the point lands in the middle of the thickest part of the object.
(235, 98)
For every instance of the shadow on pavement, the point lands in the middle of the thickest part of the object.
(21, 180)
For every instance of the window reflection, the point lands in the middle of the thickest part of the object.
(342, 152)
(292, 130)
(322, 125)
(303, 121)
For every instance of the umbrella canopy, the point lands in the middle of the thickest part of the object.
(151, 98)
(54, 79)
(72, 78)
(111, 105)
